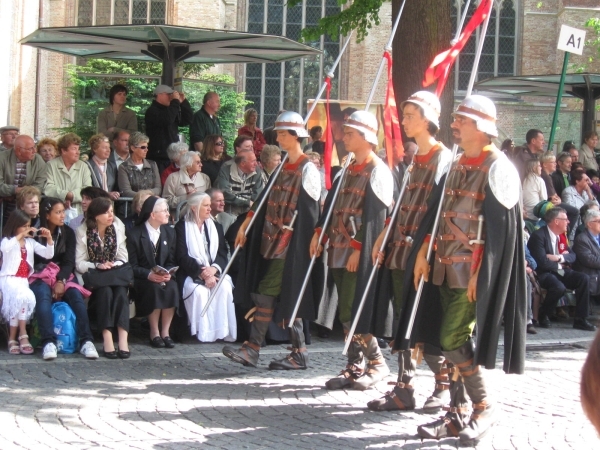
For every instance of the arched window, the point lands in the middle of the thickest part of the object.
(288, 85)
(498, 57)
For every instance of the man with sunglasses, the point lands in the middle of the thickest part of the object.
(479, 267)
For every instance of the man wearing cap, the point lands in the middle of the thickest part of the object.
(420, 120)
(479, 266)
(275, 257)
(365, 194)
(169, 111)
(205, 121)
(8, 134)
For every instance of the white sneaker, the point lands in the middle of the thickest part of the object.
(50, 351)
(89, 350)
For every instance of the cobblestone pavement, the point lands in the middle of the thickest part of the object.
(193, 397)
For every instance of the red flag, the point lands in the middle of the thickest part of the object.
(393, 137)
(440, 67)
(328, 138)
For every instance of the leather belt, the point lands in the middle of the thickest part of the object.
(412, 186)
(461, 215)
(470, 194)
(416, 208)
(452, 237)
(449, 260)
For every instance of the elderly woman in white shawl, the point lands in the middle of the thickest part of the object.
(202, 255)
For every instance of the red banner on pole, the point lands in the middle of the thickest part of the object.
(328, 138)
(440, 67)
(393, 137)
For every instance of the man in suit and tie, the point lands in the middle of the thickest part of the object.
(550, 249)
(587, 249)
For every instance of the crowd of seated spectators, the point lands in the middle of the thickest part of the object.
(560, 196)
(78, 199)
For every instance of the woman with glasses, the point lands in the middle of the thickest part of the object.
(213, 156)
(137, 172)
(150, 244)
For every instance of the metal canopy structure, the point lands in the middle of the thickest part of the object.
(585, 86)
(168, 44)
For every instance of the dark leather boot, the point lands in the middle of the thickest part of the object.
(248, 353)
(377, 369)
(441, 393)
(456, 418)
(484, 413)
(355, 367)
(401, 397)
(298, 359)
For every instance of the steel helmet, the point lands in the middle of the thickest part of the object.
(291, 121)
(430, 104)
(482, 110)
(366, 123)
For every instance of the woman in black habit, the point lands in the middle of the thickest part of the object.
(151, 243)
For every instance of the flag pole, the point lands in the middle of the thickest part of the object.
(330, 75)
(434, 230)
(388, 48)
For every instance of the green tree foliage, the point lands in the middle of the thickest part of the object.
(359, 15)
(90, 94)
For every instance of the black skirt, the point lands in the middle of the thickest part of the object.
(112, 306)
(150, 296)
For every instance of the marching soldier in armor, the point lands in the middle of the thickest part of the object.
(366, 193)
(277, 253)
(420, 119)
(479, 268)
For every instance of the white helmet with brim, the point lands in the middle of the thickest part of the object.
(291, 121)
(430, 104)
(482, 110)
(366, 123)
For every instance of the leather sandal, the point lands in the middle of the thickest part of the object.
(26, 349)
(13, 348)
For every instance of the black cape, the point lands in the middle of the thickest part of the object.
(253, 266)
(373, 221)
(501, 290)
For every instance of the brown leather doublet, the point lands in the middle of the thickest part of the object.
(350, 203)
(281, 205)
(413, 206)
(463, 203)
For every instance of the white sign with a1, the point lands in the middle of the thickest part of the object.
(571, 40)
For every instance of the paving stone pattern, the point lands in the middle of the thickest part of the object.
(193, 397)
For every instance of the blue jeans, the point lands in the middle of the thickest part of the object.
(43, 312)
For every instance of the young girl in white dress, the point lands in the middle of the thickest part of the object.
(18, 302)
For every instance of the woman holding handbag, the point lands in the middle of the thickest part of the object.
(151, 248)
(101, 247)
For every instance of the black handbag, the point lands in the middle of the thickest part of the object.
(117, 276)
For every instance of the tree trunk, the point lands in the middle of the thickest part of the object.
(424, 31)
